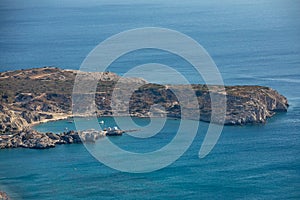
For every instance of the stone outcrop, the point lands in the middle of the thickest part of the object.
(11, 120)
(253, 104)
(4, 196)
(35, 140)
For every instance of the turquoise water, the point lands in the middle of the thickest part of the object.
(253, 42)
(251, 162)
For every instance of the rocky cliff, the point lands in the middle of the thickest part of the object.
(38, 95)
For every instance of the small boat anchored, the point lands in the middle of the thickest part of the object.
(92, 135)
(113, 131)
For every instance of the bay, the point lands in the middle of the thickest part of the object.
(252, 43)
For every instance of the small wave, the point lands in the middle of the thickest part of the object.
(289, 80)
(291, 121)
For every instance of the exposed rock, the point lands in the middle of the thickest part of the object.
(53, 136)
(11, 120)
(35, 140)
(26, 139)
(256, 107)
(4, 196)
(30, 116)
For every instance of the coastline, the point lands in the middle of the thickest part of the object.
(56, 117)
(40, 95)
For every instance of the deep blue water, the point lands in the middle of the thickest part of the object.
(253, 42)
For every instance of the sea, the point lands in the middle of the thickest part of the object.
(251, 42)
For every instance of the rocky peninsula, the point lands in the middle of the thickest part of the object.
(32, 96)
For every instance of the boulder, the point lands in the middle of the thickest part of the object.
(4, 196)
(53, 136)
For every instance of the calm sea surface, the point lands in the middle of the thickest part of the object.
(252, 43)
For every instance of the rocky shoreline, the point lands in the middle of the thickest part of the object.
(4, 196)
(35, 140)
(33, 96)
